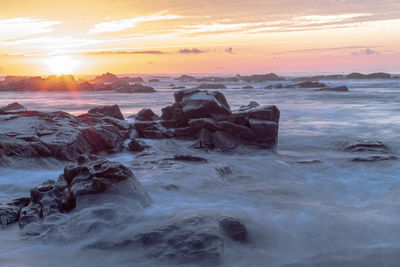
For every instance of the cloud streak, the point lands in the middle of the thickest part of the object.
(191, 51)
(20, 27)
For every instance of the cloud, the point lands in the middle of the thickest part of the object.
(365, 52)
(229, 50)
(330, 49)
(124, 24)
(191, 51)
(19, 27)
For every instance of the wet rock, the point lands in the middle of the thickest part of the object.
(334, 89)
(154, 81)
(261, 78)
(206, 116)
(33, 134)
(377, 75)
(311, 85)
(248, 87)
(112, 111)
(178, 87)
(188, 158)
(374, 158)
(91, 175)
(10, 209)
(146, 115)
(234, 229)
(136, 146)
(170, 187)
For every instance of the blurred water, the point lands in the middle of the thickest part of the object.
(333, 213)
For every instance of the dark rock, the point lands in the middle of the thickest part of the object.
(374, 158)
(135, 80)
(136, 88)
(311, 85)
(378, 75)
(51, 83)
(211, 86)
(334, 89)
(106, 78)
(178, 87)
(91, 175)
(369, 151)
(112, 111)
(154, 81)
(10, 209)
(146, 115)
(12, 107)
(234, 229)
(136, 146)
(261, 78)
(188, 158)
(248, 87)
(185, 78)
(33, 134)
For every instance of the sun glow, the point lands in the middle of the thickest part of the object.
(63, 64)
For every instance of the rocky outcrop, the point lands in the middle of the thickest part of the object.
(377, 75)
(33, 134)
(154, 80)
(368, 151)
(206, 116)
(261, 78)
(10, 209)
(12, 107)
(136, 146)
(311, 85)
(91, 175)
(136, 88)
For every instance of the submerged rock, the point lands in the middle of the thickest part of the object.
(136, 146)
(211, 86)
(311, 85)
(10, 209)
(206, 116)
(369, 151)
(136, 88)
(234, 229)
(334, 89)
(188, 158)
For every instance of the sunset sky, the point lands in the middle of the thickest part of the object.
(40, 37)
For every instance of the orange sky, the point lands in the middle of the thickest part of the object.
(39, 37)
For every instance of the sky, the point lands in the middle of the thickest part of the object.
(41, 37)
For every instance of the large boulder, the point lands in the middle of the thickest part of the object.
(136, 88)
(206, 116)
(10, 209)
(91, 175)
(26, 135)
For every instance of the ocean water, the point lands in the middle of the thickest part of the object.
(332, 213)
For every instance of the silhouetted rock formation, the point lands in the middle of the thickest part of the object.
(154, 81)
(261, 78)
(206, 116)
(211, 86)
(12, 107)
(354, 75)
(377, 75)
(33, 134)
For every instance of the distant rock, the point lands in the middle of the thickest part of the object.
(334, 89)
(106, 78)
(187, 78)
(12, 107)
(311, 85)
(276, 86)
(261, 78)
(248, 87)
(211, 86)
(51, 83)
(178, 87)
(136, 88)
(378, 75)
(206, 116)
(134, 79)
(154, 81)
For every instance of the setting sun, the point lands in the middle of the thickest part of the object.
(61, 64)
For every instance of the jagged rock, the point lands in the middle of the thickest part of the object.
(33, 134)
(334, 89)
(207, 117)
(136, 146)
(112, 111)
(234, 229)
(146, 115)
(10, 209)
(91, 175)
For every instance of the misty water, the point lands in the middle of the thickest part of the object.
(299, 212)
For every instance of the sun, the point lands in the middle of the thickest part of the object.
(62, 64)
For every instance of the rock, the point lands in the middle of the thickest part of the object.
(146, 115)
(206, 116)
(12, 107)
(135, 80)
(10, 209)
(334, 89)
(106, 78)
(154, 81)
(234, 229)
(311, 85)
(369, 151)
(34, 135)
(136, 88)
(378, 75)
(193, 240)
(261, 78)
(51, 83)
(185, 78)
(178, 87)
(91, 175)
(248, 87)
(136, 146)
(211, 86)
(112, 111)
(188, 158)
